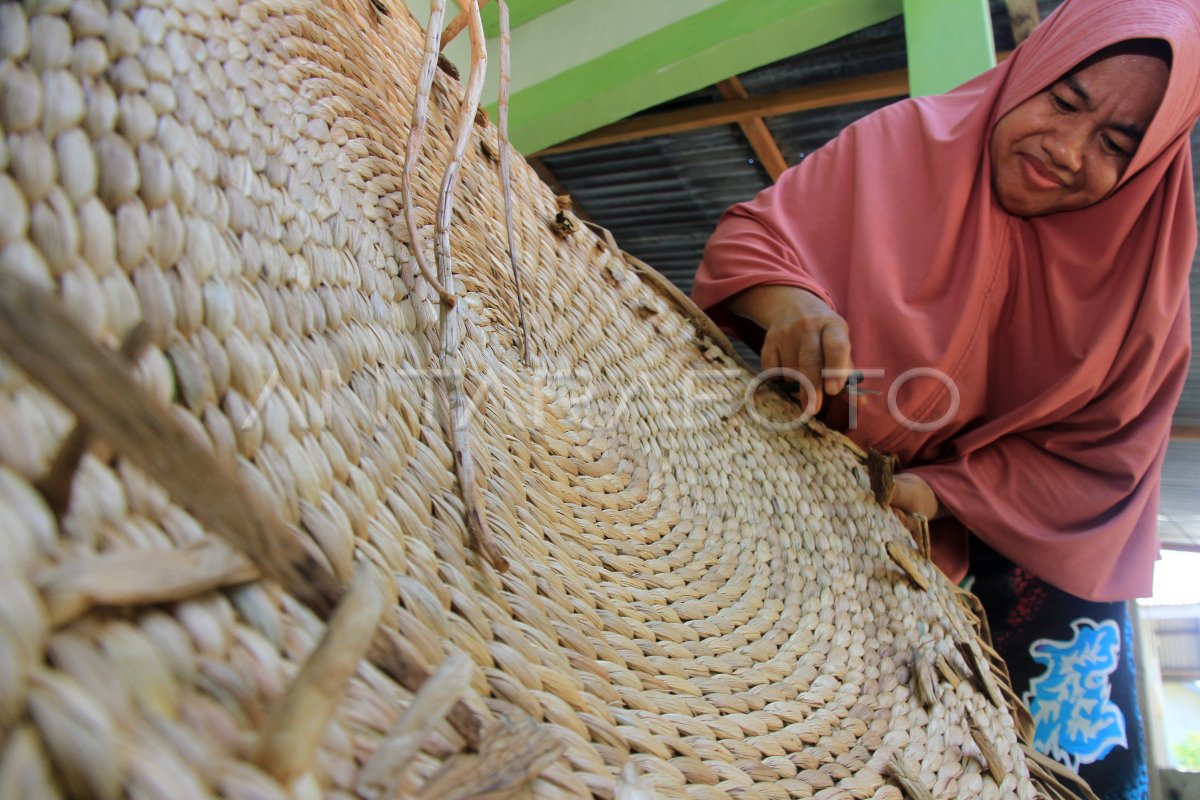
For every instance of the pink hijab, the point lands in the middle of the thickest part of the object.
(1066, 338)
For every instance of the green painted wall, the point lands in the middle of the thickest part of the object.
(949, 42)
(591, 62)
(581, 64)
(519, 12)
(459, 51)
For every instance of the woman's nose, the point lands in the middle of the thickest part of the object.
(1065, 146)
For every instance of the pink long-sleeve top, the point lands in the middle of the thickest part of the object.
(1032, 365)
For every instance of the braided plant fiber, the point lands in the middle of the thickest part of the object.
(236, 556)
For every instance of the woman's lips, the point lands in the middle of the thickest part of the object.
(1040, 175)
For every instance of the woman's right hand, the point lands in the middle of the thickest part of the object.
(803, 335)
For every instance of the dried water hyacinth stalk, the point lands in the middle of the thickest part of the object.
(383, 774)
(974, 608)
(79, 735)
(1056, 777)
(1020, 712)
(707, 330)
(55, 485)
(924, 544)
(631, 785)
(925, 673)
(138, 578)
(514, 256)
(948, 672)
(514, 753)
(983, 677)
(459, 22)
(25, 769)
(453, 366)
(990, 759)
(610, 241)
(907, 779)
(904, 557)
(416, 133)
(298, 719)
(397, 657)
(882, 470)
(94, 383)
(995, 659)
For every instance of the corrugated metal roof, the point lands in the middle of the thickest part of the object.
(662, 196)
(1179, 508)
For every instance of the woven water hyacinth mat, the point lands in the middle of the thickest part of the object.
(287, 511)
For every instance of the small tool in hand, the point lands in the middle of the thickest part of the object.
(851, 387)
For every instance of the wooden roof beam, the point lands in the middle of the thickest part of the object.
(807, 98)
(756, 132)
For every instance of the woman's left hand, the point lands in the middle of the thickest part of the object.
(913, 495)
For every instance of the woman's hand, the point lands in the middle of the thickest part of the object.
(911, 496)
(804, 336)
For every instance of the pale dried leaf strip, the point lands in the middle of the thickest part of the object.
(298, 719)
(906, 558)
(140, 578)
(383, 773)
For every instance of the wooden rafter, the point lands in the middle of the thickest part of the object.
(807, 98)
(756, 131)
(1185, 433)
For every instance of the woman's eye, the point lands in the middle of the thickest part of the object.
(1060, 104)
(1110, 146)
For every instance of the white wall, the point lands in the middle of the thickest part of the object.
(1181, 714)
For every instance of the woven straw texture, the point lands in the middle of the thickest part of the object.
(237, 559)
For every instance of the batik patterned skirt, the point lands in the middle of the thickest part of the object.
(1072, 662)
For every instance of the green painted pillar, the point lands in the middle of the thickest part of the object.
(949, 42)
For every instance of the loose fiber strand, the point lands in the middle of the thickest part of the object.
(416, 133)
(457, 24)
(55, 486)
(453, 372)
(514, 255)
(382, 775)
(297, 720)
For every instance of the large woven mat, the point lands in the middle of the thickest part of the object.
(234, 548)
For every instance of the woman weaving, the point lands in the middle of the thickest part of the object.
(1008, 263)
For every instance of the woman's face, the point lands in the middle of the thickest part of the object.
(1066, 147)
